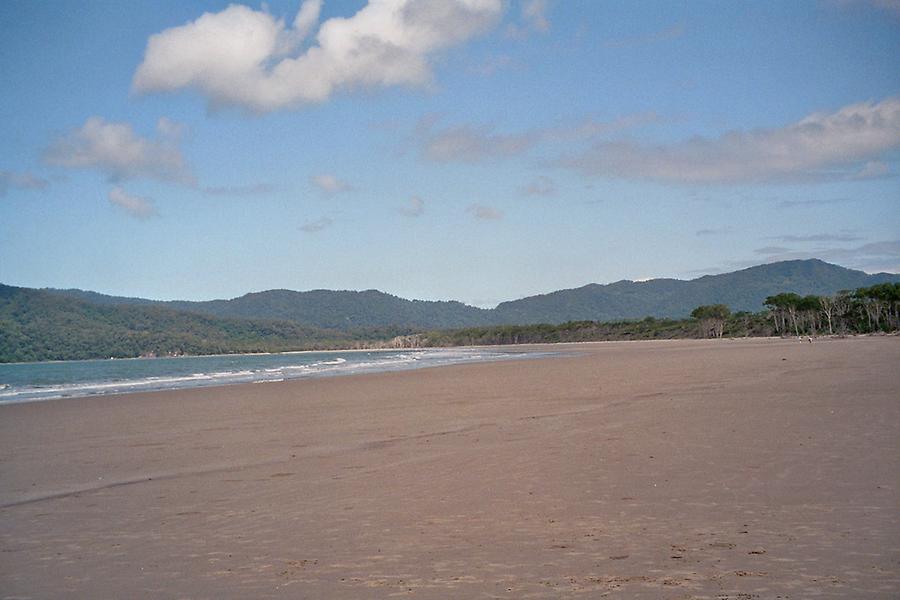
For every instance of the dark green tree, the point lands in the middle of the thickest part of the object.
(711, 319)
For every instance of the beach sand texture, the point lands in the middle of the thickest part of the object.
(684, 469)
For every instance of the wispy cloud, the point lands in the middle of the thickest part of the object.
(492, 64)
(247, 58)
(470, 143)
(890, 6)
(414, 208)
(540, 186)
(135, 206)
(21, 181)
(871, 257)
(253, 189)
(485, 213)
(813, 203)
(532, 17)
(818, 237)
(772, 250)
(874, 169)
(329, 184)
(669, 33)
(713, 231)
(116, 150)
(317, 225)
(821, 146)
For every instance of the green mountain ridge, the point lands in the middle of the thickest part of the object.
(37, 325)
(742, 290)
(76, 324)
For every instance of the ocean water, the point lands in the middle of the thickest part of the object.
(23, 382)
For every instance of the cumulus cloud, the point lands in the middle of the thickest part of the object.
(540, 186)
(115, 149)
(329, 184)
(247, 58)
(315, 226)
(485, 213)
(414, 208)
(821, 146)
(22, 181)
(136, 206)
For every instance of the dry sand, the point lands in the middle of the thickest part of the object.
(717, 469)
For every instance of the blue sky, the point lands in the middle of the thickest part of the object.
(476, 150)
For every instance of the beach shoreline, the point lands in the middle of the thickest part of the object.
(669, 469)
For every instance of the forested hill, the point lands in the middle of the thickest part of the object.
(743, 290)
(328, 309)
(36, 325)
(661, 298)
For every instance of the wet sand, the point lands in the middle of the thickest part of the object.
(687, 469)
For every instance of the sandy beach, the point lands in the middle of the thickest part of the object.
(719, 469)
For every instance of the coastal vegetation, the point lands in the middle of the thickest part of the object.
(37, 325)
(343, 310)
(874, 309)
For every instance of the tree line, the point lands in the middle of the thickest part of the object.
(864, 310)
(38, 326)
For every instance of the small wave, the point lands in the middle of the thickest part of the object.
(337, 361)
(209, 371)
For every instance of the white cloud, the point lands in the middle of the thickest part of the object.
(136, 206)
(118, 151)
(22, 181)
(540, 186)
(247, 58)
(819, 146)
(486, 213)
(306, 19)
(318, 225)
(329, 184)
(414, 208)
